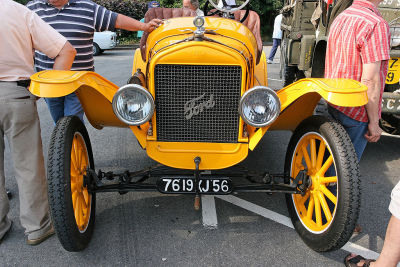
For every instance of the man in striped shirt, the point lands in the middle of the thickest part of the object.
(358, 48)
(77, 20)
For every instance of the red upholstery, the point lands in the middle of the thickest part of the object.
(162, 13)
(253, 23)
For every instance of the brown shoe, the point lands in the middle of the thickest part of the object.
(40, 239)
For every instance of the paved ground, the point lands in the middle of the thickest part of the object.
(151, 229)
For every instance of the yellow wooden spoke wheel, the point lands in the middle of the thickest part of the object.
(81, 199)
(72, 205)
(316, 208)
(326, 214)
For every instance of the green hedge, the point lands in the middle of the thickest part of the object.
(24, 2)
(133, 9)
(130, 8)
(266, 9)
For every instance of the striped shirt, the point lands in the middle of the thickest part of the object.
(359, 35)
(77, 21)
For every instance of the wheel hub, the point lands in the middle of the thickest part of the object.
(316, 206)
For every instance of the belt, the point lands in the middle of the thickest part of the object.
(22, 83)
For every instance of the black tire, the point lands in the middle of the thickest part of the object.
(96, 49)
(291, 74)
(390, 123)
(392, 87)
(59, 184)
(336, 231)
(321, 108)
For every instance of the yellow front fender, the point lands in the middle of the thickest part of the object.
(94, 92)
(299, 99)
(57, 83)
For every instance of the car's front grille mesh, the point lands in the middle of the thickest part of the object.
(196, 103)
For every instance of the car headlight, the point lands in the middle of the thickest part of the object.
(259, 106)
(133, 104)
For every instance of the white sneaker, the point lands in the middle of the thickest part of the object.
(269, 61)
(40, 239)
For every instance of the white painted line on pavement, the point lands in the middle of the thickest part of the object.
(274, 79)
(209, 212)
(257, 209)
(269, 214)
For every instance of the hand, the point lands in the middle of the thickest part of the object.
(152, 25)
(373, 133)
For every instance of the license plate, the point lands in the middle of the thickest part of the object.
(393, 74)
(184, 184)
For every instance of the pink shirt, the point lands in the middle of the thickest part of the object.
(21, 32)
(359, 35)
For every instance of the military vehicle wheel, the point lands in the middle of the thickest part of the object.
(72, 206)
(392, 87)
(291, 74)
(325, 216)
(390, 124)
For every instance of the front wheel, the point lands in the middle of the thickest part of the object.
(72, 206)
(325, 216)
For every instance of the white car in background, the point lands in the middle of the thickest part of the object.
(103, 41)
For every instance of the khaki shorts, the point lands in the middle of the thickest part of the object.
(394, 206)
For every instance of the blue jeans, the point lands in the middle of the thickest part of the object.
(64, 106)
(275, 44)
(355, 129)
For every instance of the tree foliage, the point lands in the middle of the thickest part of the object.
(133, 9)
(24, 2)
(266, 9)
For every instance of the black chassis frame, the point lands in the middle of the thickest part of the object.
(136, 181)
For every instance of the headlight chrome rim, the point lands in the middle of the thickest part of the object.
(251, 91)
(142, 90)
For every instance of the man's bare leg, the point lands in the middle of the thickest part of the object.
(390, 254)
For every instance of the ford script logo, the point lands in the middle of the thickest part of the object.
(196, 105)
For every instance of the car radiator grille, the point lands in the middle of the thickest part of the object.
(196, 103)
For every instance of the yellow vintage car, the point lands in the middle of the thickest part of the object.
(197, 102)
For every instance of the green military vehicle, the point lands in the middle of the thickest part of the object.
(305, 27)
